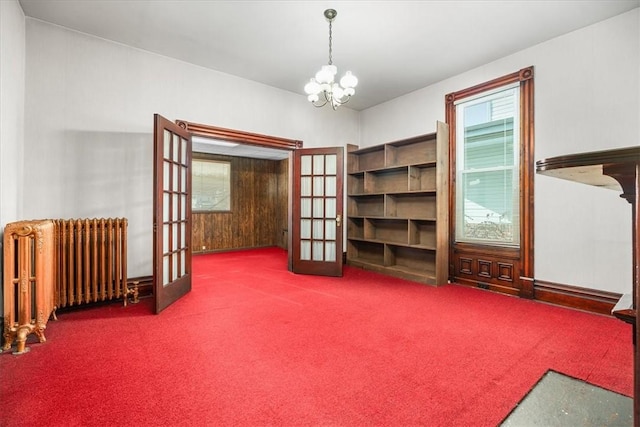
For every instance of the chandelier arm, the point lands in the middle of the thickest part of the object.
(320, 105)
(337, 101)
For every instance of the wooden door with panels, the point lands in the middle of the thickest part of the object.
(316, 214)
(171, 212)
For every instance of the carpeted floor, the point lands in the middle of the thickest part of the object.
(255, 345)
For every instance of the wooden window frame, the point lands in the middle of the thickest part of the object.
(527, 167)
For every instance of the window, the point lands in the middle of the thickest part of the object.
(487, 167)
(491, 134)
(211, 185)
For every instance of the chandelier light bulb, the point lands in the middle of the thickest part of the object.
(324, 85)
(324, 75)
(312, 87)
(349, 80)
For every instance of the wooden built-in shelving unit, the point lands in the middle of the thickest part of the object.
(397, 207)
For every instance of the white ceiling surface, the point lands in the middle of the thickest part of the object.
(207, 145)
(393, 47)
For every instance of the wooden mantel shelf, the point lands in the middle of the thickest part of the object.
(624, 310)
(617, 169)
(592, 168)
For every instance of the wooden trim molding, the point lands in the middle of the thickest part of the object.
(576, 297)
(527, 172)
(209, 131)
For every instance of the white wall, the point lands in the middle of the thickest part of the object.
(12, 63)
(587, 87)
(89, 125)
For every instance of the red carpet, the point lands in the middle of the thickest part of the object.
(255, 345)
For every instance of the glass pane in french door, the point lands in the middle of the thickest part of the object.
(174, 212)
(318, 207)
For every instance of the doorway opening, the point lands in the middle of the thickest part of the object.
(245, 189)
(295, 203)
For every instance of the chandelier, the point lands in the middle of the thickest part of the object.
(323, 89)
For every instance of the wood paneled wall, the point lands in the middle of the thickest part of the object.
(258, 216)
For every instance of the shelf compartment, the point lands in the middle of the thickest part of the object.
(368, 252)
(386, 230)
(365, 205)
(412, 151)
(411, 260)
(416, 206)
(386, 181)
(355, 183)
(422, 178)
(366, 159)
(422, 233)
(355, 228)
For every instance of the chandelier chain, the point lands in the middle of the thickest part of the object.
(330, 43)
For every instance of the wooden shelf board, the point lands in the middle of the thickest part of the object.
(421, 273)
(365, 263)
(412, 193)
(378, 241)
(424, 165)
(392, 243)
(423, 247)
(413, 218)
(391, 218)
(396, 271)
(366, 194)
(367, 150)
(396, 193)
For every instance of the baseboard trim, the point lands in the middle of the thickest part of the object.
(592, 300)
(145, 285)
(145, 289)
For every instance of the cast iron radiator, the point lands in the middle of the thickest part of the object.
(29, 280)
(91, 260)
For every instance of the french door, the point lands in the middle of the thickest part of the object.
(171, 212)
(317, 207)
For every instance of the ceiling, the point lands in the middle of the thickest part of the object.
(393, 47)
(226, 148)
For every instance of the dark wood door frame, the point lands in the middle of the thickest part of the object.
(503, 269)
(239, 136)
